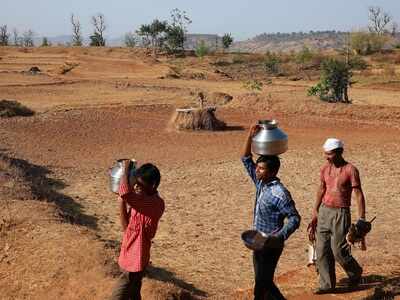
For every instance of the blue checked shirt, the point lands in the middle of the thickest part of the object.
(273, 204)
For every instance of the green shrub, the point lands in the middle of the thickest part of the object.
(304, 56)
(365, 43)
(357, 63)
(272, 63)
(201, 49)
(334, 81)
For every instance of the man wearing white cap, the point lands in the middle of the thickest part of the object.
(338, 180)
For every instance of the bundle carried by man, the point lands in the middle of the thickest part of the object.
(312, 254)
(358, 231)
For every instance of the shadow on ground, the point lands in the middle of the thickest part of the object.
(44, 188)
(382, 287)
(233, 128)
(385, 288)
(167, 276)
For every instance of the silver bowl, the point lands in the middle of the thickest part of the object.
(253, 239)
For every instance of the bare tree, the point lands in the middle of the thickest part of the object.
(27, 38)
(394, 28)
(76, 32)
(16, 38)
(130, 40)
(99, 23)
(378, 20)
(4, 35)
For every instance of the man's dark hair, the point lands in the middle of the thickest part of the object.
(150, 175)
(272, 161)
(338, 151)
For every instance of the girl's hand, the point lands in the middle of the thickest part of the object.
(254, 129)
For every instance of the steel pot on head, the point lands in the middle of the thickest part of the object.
(269, 140)
(116, 173)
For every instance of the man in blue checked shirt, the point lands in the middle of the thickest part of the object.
(273, 204)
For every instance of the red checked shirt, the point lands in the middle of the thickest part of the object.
(145, 212)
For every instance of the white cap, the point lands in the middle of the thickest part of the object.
(332, 144)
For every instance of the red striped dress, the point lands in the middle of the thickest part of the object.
(145, 212)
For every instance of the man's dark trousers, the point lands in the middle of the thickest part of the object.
(265, 262)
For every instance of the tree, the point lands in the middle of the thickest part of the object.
(97, 39)
(16, 38)
(4, 35)
(176, 31)
(378, 20)
(45, 42)
(394, 28)
(130, 40)
(334, 81)
(27, 38)
(154, 34)
(174, 39)
(227, 40)
(77, 39)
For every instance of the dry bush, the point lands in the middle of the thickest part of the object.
(195, 75)
(219, 98)
(196, 119)
(396, 59)
(250, 58)
(67, 67)
(10, 108)
(389, 71)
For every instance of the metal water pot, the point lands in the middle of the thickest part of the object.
(270, 140)
(116, 173)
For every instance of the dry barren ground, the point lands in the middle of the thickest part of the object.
(114, 104)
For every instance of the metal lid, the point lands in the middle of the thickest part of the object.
(268, 124)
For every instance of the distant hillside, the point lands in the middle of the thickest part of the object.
(294, 41)
(261, 43)
(192, 40)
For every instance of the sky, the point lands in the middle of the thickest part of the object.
(243, 19)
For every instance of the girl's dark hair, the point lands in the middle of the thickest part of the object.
(150, 174)
(272, 161)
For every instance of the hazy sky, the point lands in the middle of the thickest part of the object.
(243, 19)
